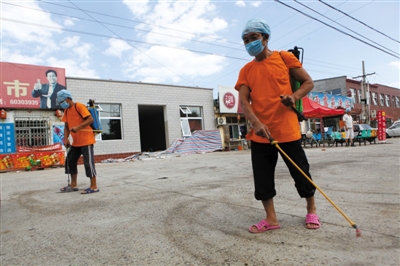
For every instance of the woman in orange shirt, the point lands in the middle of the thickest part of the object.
(266, 97)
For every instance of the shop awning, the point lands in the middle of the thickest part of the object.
(312, 109)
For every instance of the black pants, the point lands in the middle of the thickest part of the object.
(71, 165)
(264, 158)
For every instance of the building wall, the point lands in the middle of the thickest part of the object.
(327, 85)
(130, 95)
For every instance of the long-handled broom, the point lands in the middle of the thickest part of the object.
(275, 143)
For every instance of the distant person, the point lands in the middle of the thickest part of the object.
(48, 92)
(348, 124)
(261, 83)
(77, 123)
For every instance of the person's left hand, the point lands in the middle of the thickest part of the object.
(75, 129)
(288, 100)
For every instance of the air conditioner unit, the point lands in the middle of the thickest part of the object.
(373, 113)
(221, 121)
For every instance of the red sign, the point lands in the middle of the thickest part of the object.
(381, 125)
(229, 100)
(29, 86)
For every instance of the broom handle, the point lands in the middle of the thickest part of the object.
(275, 143)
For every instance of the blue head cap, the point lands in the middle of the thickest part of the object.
(348, 110)
(256, 25)
(63, 94)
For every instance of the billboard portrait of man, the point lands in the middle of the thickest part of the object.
(21, 86)
(48, 92)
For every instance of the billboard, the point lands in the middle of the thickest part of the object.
(29, 86)
(331, 101)
(229, 100)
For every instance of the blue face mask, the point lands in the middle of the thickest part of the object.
(64, 105)
(255, 47)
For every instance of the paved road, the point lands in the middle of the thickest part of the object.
(195, 210)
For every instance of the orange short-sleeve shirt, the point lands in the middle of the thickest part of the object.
(84, 136)
(268, 80)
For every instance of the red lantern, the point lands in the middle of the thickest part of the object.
(3, 114)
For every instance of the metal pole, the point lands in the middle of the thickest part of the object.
(368, 105)
(363, 104)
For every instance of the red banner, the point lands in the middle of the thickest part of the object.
(31, 160)
(28, 86)
(381, 115)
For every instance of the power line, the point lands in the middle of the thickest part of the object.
(116, 37)
(126, 27)
(121, 38)
(358, 21)
(345, 27)
(137, 21)
(337, 29)
(105, 36)
(339, 67)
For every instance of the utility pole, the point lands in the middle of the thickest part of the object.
(365, 101)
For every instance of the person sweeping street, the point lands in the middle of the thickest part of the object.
(266, 97)
(77, 121)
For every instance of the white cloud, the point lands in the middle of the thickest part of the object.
(395, 64)
(256, 3)
(16, 56)
(180, 65)
(23, 32)
(138, 8)
(70, 42)
(83, 50)
(68, 22)
(185, 20)
(240, 3)
(178, 18)
(73, 68)
(117, 47)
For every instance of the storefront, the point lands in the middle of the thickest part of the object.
(230, 119)
(135, 116)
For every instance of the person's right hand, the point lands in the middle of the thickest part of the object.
(261, 130)
(67, 144)
(37, 86)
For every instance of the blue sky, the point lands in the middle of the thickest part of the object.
(197, 43)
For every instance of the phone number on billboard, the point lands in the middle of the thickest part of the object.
(26, 102)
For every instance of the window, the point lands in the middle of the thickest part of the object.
(397, 102)
(193, 115)
(110, 117)
(359, 96)
(32, 131)
(387, 100)
(336, 92)
(374, 99)
(236, 131)
(381, 99)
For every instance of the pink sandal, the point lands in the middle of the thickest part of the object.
(263, 226)
(312, 218)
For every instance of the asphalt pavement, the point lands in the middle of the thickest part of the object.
(196, 210)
